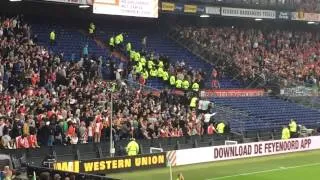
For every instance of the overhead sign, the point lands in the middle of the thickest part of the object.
(249, 13)
(302, 16)
(138, 8)
(284, 15)
(116, 164)
(166, 6)
(213, 10)
(73, 1)
(228, 152)
(190, 8)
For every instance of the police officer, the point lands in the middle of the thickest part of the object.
(178, 83)
(193, 102)
(153, 73)
(52, 37)
(285, 133)
(92, 29)
(185, 84)
(165, 76)
(293, 128)
(172, 80)
(150, 64)
(195, 86)
(111, 43)
(128, 47)
(137, 56)
(132, 54)
(220, 128)
(132, 148)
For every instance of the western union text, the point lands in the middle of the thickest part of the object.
(123, 163)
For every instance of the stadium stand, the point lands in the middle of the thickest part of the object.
(55, 97)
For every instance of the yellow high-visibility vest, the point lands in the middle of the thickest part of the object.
(172, 80)
(293, 126)
(193, 102)
(285, 133)
(52, 35)
(178, 83)
(185, 84)
(220, 128)
(195, 87)
(165, 76)
(111, 41)
(132, 148)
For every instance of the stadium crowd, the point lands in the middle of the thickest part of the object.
(292, 56)
(47, 100)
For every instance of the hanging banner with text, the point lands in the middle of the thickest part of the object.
(137, 8)
(112, 165)
(213, 10)
(246, 150)
(231, 93)
(302, 16)
(249, 13)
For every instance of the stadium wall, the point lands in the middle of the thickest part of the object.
(246, 150)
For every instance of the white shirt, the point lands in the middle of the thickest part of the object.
(203, 105)
(207, 117)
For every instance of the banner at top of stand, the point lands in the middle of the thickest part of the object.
(73, 1)
(249, 13)
(302, 16)
(285, 15)
(166, 6)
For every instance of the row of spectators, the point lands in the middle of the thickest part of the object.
(47, 100)
(293, 56)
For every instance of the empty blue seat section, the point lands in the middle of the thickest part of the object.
(268, 112)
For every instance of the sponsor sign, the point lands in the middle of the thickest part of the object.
(302, 16)
(201, 9)
(166, 6)
(249, 13)
(213, 10)
(111, 165)
(138, 8)
(284, 15)
(190, 8)
(228, 152)
(232, 93)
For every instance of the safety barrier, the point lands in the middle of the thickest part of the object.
(112, 165)
(245, 150)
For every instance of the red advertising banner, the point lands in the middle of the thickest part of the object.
(232, 93)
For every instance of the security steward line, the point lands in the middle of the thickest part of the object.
(112, 165)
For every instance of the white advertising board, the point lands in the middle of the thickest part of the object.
(138, 8)
(228, 152)
(249, 13)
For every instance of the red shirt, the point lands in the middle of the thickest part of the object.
(32, 139)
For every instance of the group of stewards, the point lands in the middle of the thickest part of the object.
(290, 131)
(151, 68)
(91, 31)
